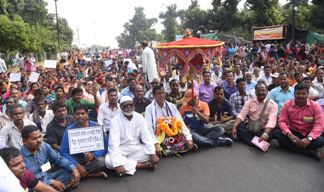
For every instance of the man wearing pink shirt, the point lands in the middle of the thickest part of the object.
(301, 124)
(253, 109)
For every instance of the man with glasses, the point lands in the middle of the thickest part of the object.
(149, 93)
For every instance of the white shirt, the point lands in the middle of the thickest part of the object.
(104, 96)
(129, 135)
(149, 64)
(313, 92)
(153, 111)
(106, 114)
(149, 95)
(48, 117)
(268, 80)
(319, 86)
(3, 66)
(11, 136)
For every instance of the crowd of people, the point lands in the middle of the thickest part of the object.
(264, 91)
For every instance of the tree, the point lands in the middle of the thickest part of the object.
(138, 29)
(193, 18)
(265, 12)
(317, 14)
(171, 27)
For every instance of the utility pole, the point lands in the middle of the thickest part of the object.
(293, 21)
(57, 28)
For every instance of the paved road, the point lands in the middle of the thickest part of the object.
(239, 168)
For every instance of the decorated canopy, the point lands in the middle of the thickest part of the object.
(190, 51)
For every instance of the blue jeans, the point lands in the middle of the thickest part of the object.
(207, 136)
(60, 175)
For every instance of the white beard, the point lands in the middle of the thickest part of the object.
(128, 113)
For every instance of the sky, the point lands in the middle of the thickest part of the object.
(99, 22)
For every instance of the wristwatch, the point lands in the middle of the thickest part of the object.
(309, 138)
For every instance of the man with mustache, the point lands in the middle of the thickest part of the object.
(130, 145)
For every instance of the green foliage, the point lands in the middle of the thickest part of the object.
(317, 16)
(171, 26)
(138, 29)
(27, 26)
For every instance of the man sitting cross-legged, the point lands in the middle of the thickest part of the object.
(301, 124)
(130, 145)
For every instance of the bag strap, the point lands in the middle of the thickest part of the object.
(264, 108)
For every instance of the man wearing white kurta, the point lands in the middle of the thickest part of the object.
(162, 108)
(149, 63)
(130, 144)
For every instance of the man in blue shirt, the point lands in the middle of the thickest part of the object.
(282, 93)
(91, 163)
(130, 89)
(39, 158)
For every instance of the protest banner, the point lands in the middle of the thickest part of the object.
(33, 77)
(15, 77)
(85, 139)
(50, 64)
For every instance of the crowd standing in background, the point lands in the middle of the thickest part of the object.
(272, 92)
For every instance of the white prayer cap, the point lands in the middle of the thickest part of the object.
(125, 98)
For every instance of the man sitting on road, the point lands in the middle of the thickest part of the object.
(91, 163)
(301, 124)
(39, 158)
(262, 112)
(140, 102)
(196, 114)
(130, 145)
(28, 181)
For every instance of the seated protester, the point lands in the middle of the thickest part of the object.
(91, 163)
(16, 94)
(8, 177)
(4, 117)
(228, 85)
(149, 94)
(56, 127)
(10, 134)
(104, 94)
(162, 109)
(140, 101)
(15, 163)
(221, 111)
(262, 112)
(175, 96)
(266, 77)
(31, 105)
(301, 124)
(250, 85)
(206, 88)
(299, 78)
(130, 145)
(282, 93)
(76, 98)
(275, 82)
(49, 96)
(196, 114)
(312, 93)
(318, 82)
(108, 109)
(42, 116)
(238, 99)
(129, 90)
(39, 157)
(59, 94)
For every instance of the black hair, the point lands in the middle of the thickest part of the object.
(27, 130)
(205, 71)
(260, 82)
(172, 81)
(76, 91)
(59, 87)
(112, 90)
(156, 88)
(283, 73)
(9, 153)
(40, 100)
(307, 79)
(81, 106)
(239, 80)
(57, 105)
(218, 88)
(39, 92)
(131, 79)
(301, 86)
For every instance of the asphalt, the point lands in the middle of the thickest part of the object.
(238, 168)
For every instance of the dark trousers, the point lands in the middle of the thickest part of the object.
(207, 136)
(285, 141)
(246, 136)
(93, 166)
